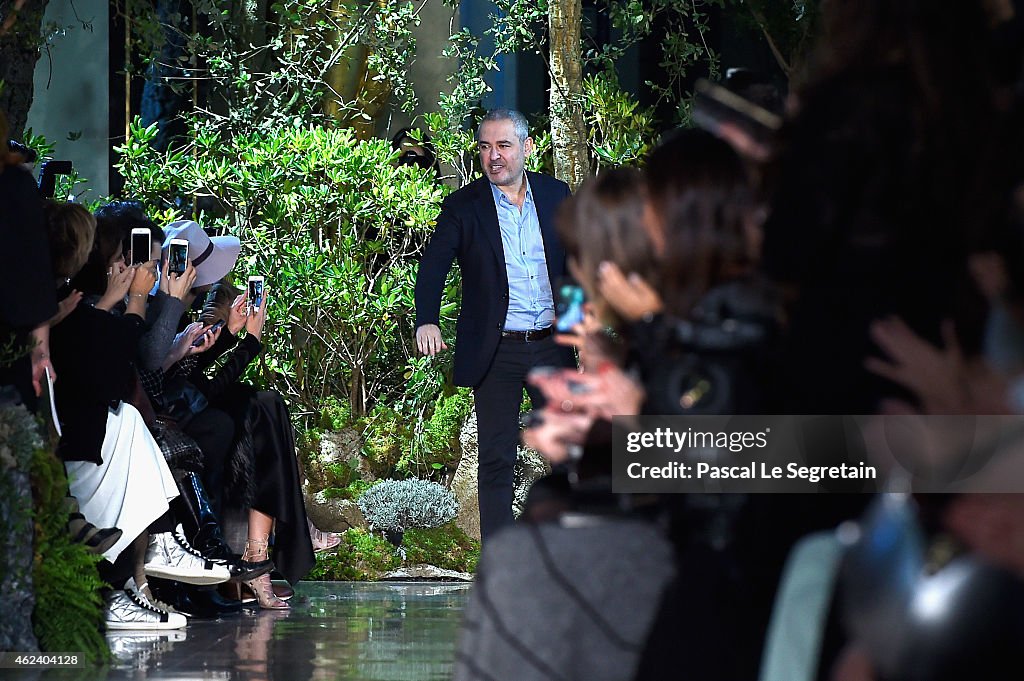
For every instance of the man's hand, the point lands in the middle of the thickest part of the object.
(428, 340)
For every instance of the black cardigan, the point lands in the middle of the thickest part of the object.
(93, 352)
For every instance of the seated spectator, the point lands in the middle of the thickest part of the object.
(28, 306)
(259, 471)
(116, 469)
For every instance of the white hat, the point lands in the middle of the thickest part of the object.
(213, 257)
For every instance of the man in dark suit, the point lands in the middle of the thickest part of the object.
(501, 230)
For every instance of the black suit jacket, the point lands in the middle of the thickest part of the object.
(467, 231)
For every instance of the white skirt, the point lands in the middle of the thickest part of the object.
(132, 486)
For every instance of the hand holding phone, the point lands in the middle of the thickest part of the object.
(141, 246)
(255, 294)
(569, 300)
(177, 256)
(206, 334)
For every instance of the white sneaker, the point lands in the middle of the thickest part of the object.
(129, 609)
(170, 556)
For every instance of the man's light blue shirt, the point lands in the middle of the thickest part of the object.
(530, 305)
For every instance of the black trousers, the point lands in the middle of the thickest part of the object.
(498, 399)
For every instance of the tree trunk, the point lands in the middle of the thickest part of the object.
(568, 131)
(21, 24)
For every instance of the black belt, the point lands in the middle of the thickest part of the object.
(528, 336)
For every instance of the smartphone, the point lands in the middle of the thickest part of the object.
(177, 256)
(201, 338)
(254, 299)
(714, 105)
(569, 300)
(141, 249)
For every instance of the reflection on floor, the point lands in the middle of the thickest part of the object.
(335, 631)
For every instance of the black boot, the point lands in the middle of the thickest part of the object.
(193, 601)
(202, 530)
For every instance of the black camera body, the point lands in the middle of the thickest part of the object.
(48, 176)
(707, 364)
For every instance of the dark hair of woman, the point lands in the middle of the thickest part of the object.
(217, 307)
(114, 224)
(701, 196)
(604, 221)
(71, 231)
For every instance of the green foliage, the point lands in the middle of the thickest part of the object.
(441, 433)
(447, 547)
(387, 435)
(400, 505)
(66, 188)
(361, 556)
(334, 225)
(69, 611)
(621, 131)
(351, 491)
(334, 414)
(269, 65)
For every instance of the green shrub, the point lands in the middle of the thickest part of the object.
(361, 556)
(68, 615)
(335, 414)
(365, 556)
(400, 505)
(335, 226)
(446, 547)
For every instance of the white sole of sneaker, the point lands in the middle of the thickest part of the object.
(185, 577)
(142, 626)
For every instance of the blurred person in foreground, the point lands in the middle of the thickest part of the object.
(29, 303)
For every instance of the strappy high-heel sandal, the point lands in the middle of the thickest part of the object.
(97, 540)
(255, 551)
(322, 541)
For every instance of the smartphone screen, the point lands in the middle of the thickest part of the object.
(255, 296)
(141, 247)
(569, 300)
(177, 257)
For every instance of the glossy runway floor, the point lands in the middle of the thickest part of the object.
(335, 631)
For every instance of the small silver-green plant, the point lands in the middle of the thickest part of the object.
(394, 506)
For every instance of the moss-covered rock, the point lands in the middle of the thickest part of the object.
(361, 556)
(446, 547)
(367, 556)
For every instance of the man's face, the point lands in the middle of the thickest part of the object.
(502, 156)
